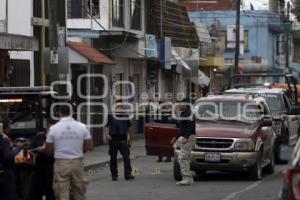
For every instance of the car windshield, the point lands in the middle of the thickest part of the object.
(245, 112)
(20, 112)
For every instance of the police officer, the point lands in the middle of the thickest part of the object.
(186, 140)
(7, 175)
(118, 128)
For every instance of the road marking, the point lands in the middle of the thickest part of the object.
(233, 196)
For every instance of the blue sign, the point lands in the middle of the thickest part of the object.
(165, 53)
(151, 46)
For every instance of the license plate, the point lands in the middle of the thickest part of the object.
(212, 157)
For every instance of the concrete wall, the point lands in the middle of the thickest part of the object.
(19, 22)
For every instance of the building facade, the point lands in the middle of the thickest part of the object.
(262, 39)
(17, 44)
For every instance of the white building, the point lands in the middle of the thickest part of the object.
(17, 37)
(116, 30)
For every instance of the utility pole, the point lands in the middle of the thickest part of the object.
(53, 42)
(6, 15)
(237, 36)
(287, 35)
(161, 18)
(42, 23)
(42, 45)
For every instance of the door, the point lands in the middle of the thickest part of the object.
(292, 121)
(267, 135)
(158, 137)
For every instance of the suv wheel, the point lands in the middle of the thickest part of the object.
(269, 169)
(255, 172)
(176, 171)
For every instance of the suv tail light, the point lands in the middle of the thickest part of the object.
(294, 182)
(27, 155)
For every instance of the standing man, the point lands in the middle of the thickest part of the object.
(118, 128)
(68, 139)
(186, 140)
(8, 189)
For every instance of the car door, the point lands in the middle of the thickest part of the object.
(158, 138)
(267, 132)
(292, 121)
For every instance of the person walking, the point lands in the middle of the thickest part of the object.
(8, 189)
(42, 177)
(116, 132)
(186, 140)
(67, 140)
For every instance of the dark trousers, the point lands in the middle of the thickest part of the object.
(41, 183)
(8, 185)
(114, 147)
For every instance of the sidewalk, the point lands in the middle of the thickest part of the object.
(99, 156)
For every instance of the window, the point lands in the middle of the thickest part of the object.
(82, 8)
(75, 9)
(296, 51)
(223, 38)
(94, 8)
(118, 13)
(135, 14)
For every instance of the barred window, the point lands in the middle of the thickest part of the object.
(118, 13)
(135, 14)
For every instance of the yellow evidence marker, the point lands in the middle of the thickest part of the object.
(134, 171)
(157, 170)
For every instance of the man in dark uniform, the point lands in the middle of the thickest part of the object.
(42, 178)
(7, 160)
(186, 140)
(117, 134)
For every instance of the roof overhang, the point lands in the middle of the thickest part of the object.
(89, 53)
(15, 42)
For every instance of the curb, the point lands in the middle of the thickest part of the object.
(104, 163)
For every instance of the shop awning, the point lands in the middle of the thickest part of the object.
(180, 60)
(13, 42)
(201, 79)
(90, 53)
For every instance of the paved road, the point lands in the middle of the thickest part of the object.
(154, 181)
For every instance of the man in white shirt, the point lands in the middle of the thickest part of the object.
(67, 140)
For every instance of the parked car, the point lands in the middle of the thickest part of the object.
(243, 144)
(286, 123)
(284, 81)
(291, 176)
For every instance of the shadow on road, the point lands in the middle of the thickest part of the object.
(222, 176)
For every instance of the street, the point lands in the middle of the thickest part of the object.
(155, 181)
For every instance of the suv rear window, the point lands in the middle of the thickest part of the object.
(274, 101)
(19, 111)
